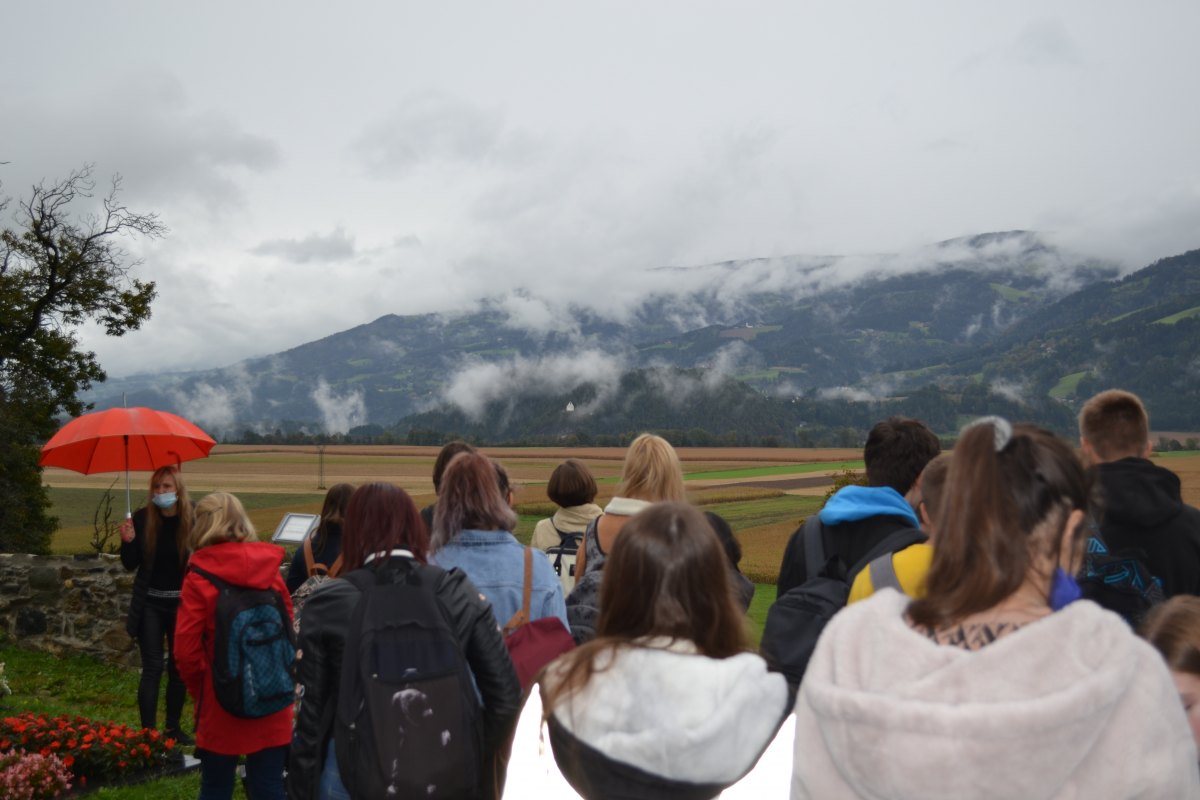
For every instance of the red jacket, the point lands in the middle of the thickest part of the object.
(251, 564)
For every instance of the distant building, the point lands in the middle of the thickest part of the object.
(570, 407)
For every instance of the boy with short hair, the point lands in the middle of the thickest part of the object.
(1143, 508)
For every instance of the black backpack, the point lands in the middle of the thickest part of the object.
(254, 649)
(796, 619)
(408, 720)
(1119, 581)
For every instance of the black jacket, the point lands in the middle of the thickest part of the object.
(1143, 509)
(323, 638)
(133, 556)
(849, 540)
(327, 553)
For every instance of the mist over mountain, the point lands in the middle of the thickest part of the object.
(794, 350)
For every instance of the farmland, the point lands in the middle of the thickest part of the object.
(762, 492)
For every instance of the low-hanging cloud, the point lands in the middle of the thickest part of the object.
(215, 407)
(477, 384)
(339, 413)
(337, 246)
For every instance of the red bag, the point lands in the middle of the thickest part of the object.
(533, 645)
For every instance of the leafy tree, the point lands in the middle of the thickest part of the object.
(60, 266)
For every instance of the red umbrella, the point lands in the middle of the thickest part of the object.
(125, 439)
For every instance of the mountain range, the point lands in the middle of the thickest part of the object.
(800, 350)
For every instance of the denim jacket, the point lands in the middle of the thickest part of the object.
(495, 562)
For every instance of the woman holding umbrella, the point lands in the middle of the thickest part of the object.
(154, 542)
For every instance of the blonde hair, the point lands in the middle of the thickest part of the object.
(652, 471)
(221, 518)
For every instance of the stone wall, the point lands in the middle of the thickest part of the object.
(67, 604)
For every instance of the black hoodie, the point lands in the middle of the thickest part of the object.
(1143, 509)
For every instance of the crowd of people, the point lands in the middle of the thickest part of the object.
(1017, 618)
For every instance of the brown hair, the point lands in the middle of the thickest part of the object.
(897, 449)
(1115, 424)
(332, 511)
(1003, 499)
(1174, 629)
(667, 575)
(444, 456)
(652, 470)
(571, 484)
(155, 518)
(220, 518)
(470, 500)
(381, 517)
(933, 482)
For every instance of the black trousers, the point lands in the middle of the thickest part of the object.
(158, 625)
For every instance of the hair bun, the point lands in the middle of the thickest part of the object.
(1001, 429)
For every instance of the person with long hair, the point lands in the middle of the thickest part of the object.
(472, 530)
(651, 474)
(997, 682)
(383, 537)
(326, 539)
(1174, 630)
(665, 701)
(225, 545)
(154, 541)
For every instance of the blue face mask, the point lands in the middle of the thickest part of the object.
(1064, 590)
(164, 500)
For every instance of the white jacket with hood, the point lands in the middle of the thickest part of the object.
(670, 713)
(1071, 706)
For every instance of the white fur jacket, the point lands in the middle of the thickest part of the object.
(1071, 706)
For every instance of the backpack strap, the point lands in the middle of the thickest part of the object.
(892, 543)
(522, 616)
(814, 548)
(309, 565)
(883, 573)
(220, 583)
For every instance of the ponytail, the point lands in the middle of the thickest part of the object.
(1004, 483)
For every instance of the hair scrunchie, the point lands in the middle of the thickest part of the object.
(1001, 429)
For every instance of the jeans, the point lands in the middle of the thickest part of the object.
(331, 786)
(158, 623)
(264, 774)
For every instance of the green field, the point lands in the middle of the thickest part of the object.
(1067, 385)
(1171, 320)
(782, 469)
(75, 509)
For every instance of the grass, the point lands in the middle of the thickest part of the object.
(1171, 320)
(74, 508)
(1067, 385)
(781, 469)
(1009, 293)
(1127, 314)
(764, 596)
(1175, 453)
(53, 685)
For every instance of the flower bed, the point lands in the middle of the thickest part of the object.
(92, 751)
(32, 776)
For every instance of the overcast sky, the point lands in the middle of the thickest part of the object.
(322, 164)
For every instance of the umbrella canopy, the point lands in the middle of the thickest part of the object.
(123, 439)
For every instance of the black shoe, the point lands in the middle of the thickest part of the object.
(181, 738)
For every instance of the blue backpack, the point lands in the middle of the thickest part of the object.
(254, 651)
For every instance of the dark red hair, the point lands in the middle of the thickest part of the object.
(381, 517)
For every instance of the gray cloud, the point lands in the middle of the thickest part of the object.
(431, 128)
(475, 384)
(337, 246)
(170, 152)
(339, 413)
